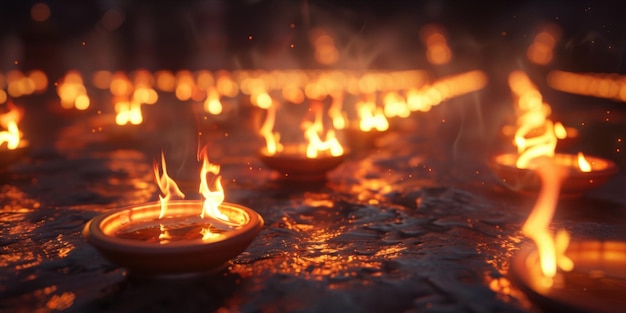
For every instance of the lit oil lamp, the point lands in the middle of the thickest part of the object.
(176, 236)
(584, 173)
(584, 276)
(12, 146)
(596, 284)
(301, 162)
(537, 136)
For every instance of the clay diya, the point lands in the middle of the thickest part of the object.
(9, 156)
(293, 164)
(180, 243)
(596, 284)
(576, 183)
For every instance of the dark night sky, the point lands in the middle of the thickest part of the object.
(160, 34)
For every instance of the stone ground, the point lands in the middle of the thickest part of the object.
(413, 221)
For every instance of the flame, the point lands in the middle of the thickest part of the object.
(395, 105)
(339, 121)
(536, 135)
(128, 112)
(272, 139)
(212, 104)
(536, 139)
(551, 249)
(72, 91)
(371, 117)
(312, 131)
(168, 186)
(12, 135)
(212, 198)
(583, 164)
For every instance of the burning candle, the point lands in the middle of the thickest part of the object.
(176, 236)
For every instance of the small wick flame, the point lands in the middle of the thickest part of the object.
(272, 139)
(9, 120)
(583, 164)
(312, 132)
(212, 198)
(532, 118)
(168, 186)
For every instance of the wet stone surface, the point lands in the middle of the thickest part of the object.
(406, 225)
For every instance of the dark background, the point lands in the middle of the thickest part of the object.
(214, 34)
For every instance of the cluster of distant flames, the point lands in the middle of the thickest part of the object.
(379, 96)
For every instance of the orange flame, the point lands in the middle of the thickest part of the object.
(12, 135)
(272, 139)
(72, 91)
(312, 131)
(212, 104)
(532, 119)
(371, 117)
(168, 186)
(128, 112)
(212, 198)
(339, 121)
(551, 248)
(583, 164)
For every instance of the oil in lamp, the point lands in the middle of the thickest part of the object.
(175, 236)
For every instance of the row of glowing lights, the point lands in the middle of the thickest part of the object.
(400, 92)
(259, 86)
(533, 114)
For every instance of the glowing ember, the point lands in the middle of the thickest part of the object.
(339, 121)
(9, 120)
